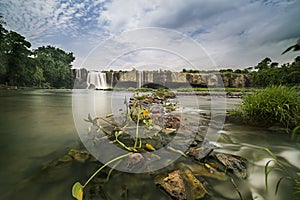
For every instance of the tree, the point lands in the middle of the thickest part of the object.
(56, 66)
(17, 54)
(238, 71)
(21, 66)
(3, 59)
(264, 64)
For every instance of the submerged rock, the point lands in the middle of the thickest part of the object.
(235, 163)
(80, 156)
(195, 189)
(134, 160)
(65, 158)
(205, 171)
(168, 131)
(173, 184)
(200, 152)
(182, 184)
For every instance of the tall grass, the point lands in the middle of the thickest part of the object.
(272, 105)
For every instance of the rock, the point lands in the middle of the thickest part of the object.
(201, 170)
(80, 156)
(181, 184)
(200, 152)
(195, 188)
(94, 192)
(171, 121)
(235, 163)
(168, 131)
(225, 138)
(65, 158)
(134, 160)
(62, 162)
(173, 184)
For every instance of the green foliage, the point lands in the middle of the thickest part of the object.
(269, 73)
(272, 105)
(77, 191)
(283, 168)
(136, 112)
(297, 186)
(20, 66)
(197, 71)
(279, 166)
(264, 64)
(56, 65)
(296, 133)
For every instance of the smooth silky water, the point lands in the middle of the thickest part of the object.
(37, 127)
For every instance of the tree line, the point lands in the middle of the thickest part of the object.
(268, 73)
(45, 66)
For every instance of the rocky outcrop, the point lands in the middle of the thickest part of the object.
(166, 78)
(80, 81)
(236, 80)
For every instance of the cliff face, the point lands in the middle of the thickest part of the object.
(168, 79)
(179, 79)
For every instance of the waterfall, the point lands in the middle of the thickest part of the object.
(140, 79)
(97, 80)
(112, 79)
(78, 73)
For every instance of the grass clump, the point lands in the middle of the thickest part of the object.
(274, 105)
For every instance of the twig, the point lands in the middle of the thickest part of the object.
(236, 188)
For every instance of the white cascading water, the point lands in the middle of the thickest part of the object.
(98, 79)
(78, 73)
(112, 80)
(140, 79)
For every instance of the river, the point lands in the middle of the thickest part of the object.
(37, 127)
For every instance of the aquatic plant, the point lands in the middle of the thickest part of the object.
(297, 186)
(77, 189)
(296, 133)
(138, 131)
(282, 167)
(136, 112)
(272, 105)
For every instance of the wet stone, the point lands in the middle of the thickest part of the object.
(200, 152)
(236, 163)
(205, 171)
(195, 189)
(65, 158)
(168, 131)
(173, 184)
(133, 161)
(79, 156)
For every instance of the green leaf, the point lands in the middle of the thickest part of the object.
(109, 115)
(277, 185)
(267, 173)
(77, 191)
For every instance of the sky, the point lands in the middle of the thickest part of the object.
(165, 33)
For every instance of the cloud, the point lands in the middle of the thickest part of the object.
(234, 34)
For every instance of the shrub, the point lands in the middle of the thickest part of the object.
(272, 105)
